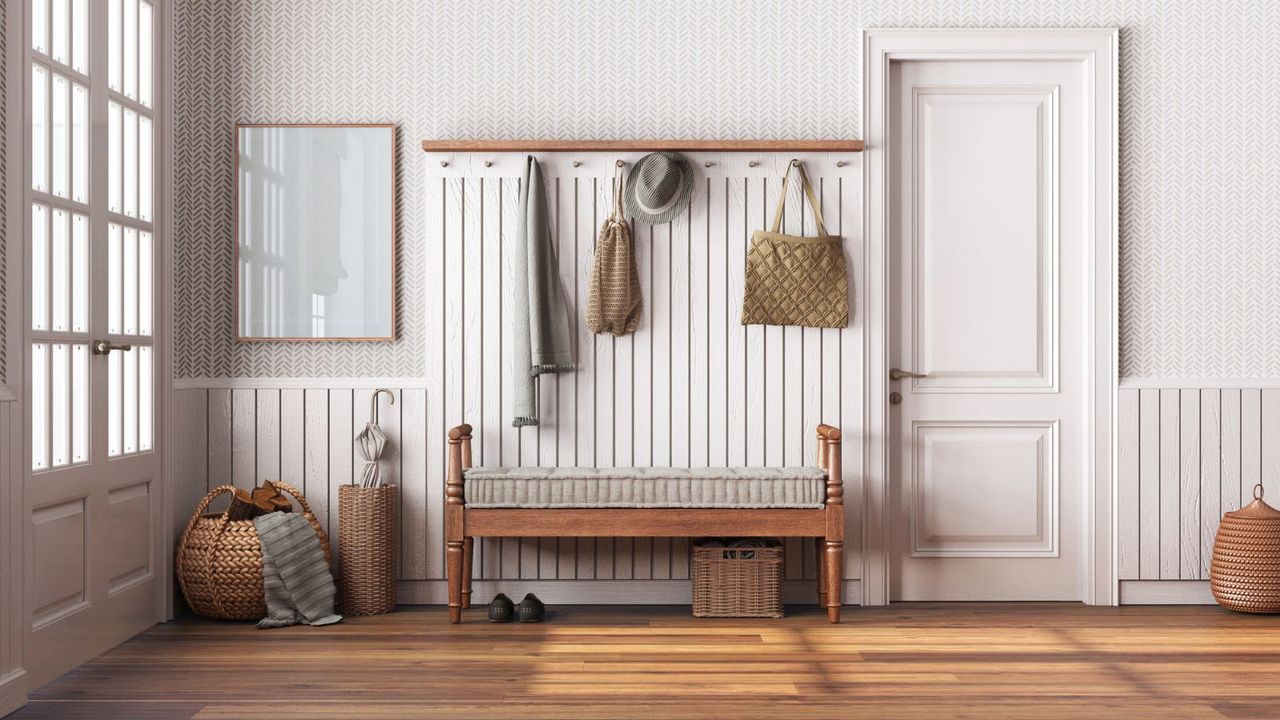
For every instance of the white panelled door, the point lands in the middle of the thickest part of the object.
(988, 338)
(92, 493)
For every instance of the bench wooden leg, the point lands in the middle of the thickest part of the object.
(833, 575)
(822, 586)
(453, 565)
(468, 553)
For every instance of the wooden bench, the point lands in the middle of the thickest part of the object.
(824, 522)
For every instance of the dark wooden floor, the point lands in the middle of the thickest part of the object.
(914, 661)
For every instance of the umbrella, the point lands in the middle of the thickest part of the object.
(372, 442)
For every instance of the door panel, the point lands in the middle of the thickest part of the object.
(987, 260)
(91, 497)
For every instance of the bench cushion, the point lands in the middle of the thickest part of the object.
(644, 487)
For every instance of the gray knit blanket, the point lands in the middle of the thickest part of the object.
(295, 577)
(541, 342)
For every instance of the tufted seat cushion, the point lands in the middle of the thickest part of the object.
(644, 487)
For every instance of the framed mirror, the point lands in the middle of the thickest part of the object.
(315, 232)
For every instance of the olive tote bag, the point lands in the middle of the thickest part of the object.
(794, 280)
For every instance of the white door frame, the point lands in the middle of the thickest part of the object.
(1098, 50)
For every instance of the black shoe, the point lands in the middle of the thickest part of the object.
(501, 609)
(530, 609)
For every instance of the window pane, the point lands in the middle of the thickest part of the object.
(145, 50)
(144, 283)
(113, 403)
(39, 128)
(40, 26)
(131, 48)
(114, 179)
(61, 27)
(113, 45)
(39, 406)
(130, 281)
(61, 124)
(60, 379)
(130, 163)
(146, 412)
(80, 36)
(113, 279)
(79, 403)
(130, 400)
(80, 143)
(79, 273)
(60, 270)
(39, 267)
(145, 169)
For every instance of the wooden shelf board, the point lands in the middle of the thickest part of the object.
(639, 145)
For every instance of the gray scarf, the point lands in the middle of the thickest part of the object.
(542, 343)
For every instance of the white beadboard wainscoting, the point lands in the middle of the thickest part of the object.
(692, 387)
(1186, 455)
(12, 623)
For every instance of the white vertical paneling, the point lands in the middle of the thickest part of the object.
(1229, 455)
(488, 551)
(267, 434)
(789, 377)
(680, 268)
(757, 402)
(1210, 474)
(740, 428)
(1149, 485)
(293, 437)
(1127, 431)
(190, 453)
(719, 321)
(1170, 485)
(435, 350)
(1269, 430)
(414, 520)
(1189, 486)
(244, 406)
(341, 454)
(1250, 442)
(315, 482)
(698, 330)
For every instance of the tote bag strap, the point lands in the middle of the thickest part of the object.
(808, 190)
(617, 215)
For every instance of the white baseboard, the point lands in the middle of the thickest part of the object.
(13, 691)
(597, 592)
(1165, 592)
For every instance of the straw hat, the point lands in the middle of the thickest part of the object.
(659, 187)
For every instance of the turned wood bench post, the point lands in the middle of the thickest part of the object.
(457, 545)
(832, 568)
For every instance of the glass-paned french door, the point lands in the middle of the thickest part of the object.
(92, 496)
(92, 205)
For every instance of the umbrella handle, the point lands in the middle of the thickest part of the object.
(373, 403)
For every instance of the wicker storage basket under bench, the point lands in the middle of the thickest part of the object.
(737, 581)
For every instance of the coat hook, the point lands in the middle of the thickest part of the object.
(444, 163)
(840, 163)
(795, 162)
(577, 163)
(488, 163)
(708, 163)
(621, 163)
(753, 163)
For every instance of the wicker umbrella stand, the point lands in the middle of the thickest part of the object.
(366, 546)
(1245, 575)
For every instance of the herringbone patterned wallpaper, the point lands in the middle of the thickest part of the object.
(1199, 145)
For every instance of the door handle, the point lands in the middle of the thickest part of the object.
(102, 347)
(896, 374)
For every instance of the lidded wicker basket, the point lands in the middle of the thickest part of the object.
(219, 561)
(1245, 574)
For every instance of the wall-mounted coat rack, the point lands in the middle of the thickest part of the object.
(638, 145)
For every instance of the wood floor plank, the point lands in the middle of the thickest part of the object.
(988, 660)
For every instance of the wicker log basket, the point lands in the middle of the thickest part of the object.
(1245, 574)
(366, 563)
(219, 561)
